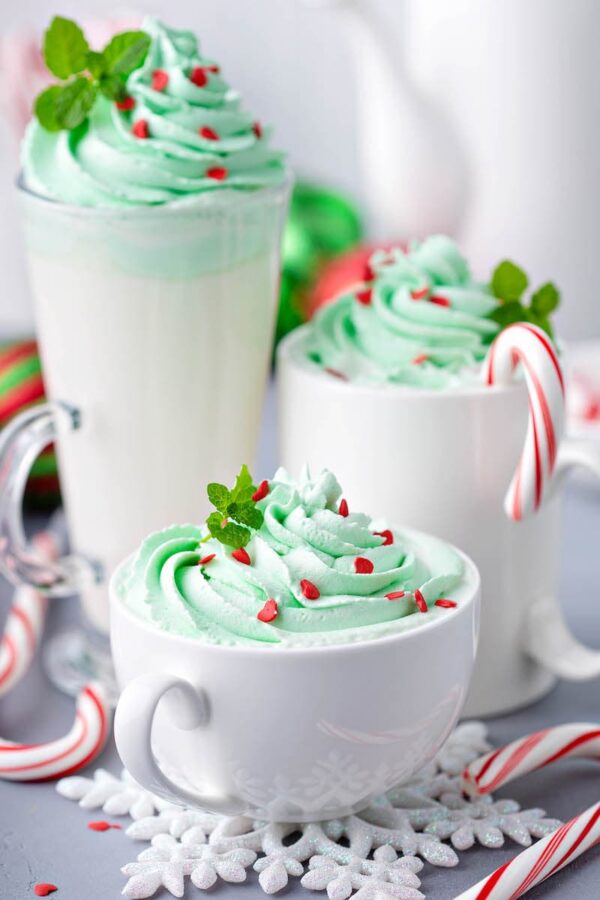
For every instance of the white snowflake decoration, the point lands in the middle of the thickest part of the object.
(375, 854)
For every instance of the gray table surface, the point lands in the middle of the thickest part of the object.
(44, 837)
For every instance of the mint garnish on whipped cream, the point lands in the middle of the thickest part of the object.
(148, 120)
(313, 572)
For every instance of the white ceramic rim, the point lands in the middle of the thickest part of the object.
(472, 577)
(287, 351)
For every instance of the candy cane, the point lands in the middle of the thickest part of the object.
(529, 345)
(531, 752)
(25, 622)
(85, 740)
(540, 861)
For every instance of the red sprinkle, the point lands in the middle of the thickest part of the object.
(420, 601)
(364, 297)
(269, 611)
(336, 374)
(369, 274)
(343, 508)
(310, 590)
(257, 129)
(420, 294)
(198, 76)
(206, 559)
(363, 566)
(126, 104)
(396, 595)
(140, 129)
(421, 358)
(160, 80)
(44, 888)
(102, 826)
(261, 491)
(388, 537)
(439, 301)
(446, 604)
(242, 556)
(214, 69)
(218, 173)
(208, 133)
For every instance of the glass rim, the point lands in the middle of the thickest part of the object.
(220, 199)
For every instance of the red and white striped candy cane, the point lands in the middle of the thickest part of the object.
(529, 345)
(84, 741)
(531, 752)
(25, 622)
(540, 861)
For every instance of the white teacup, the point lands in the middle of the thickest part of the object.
(441, 461)
(288, 734)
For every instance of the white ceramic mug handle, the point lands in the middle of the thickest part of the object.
(133, 735)
(548, 638)
(21, 442)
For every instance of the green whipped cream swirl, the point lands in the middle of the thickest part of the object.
(199, 138)
(304, 543)
(422, 321)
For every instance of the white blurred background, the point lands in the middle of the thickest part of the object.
(476, 116)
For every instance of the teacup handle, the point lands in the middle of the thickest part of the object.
(133, 735)
(21, 442)
(548, 638)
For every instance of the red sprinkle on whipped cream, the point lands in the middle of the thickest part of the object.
(241, 555)
(217, 173)
(446, 604)
(208, 133)
(396, 595)
(310, 590)
(269, 611)
(140, 129)
(343, 508)
(206, 559)
(160, 80)
(261, 491)
(386, 534)
(126, 104)
(198, 76)
(420, 601)
(363, 566)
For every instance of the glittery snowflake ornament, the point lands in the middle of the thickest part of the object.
(377, 853)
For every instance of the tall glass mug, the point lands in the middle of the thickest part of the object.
(155, 327)
(441, 461)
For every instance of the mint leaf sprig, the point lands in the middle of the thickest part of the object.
(86, 72)
(509, 283)
(236, 512)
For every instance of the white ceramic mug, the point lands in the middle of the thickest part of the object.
(441, 461)
(296, 734)
(155, 327)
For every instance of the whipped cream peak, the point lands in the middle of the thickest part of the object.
(181, 132)
(421, 320)
(311, 575)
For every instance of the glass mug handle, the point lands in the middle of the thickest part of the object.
(21, 442)
(548, 639)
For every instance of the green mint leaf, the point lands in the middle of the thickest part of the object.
(509, 282)
(545, 300)
(215, 523)
(219, 496)
(126, 52)
(509, 313)
(45, 108)
(233, 535)
(247, 515)
(243, 483)
(74, 102)
(65, 48)
(113, 86)
(543, 322)
(95, 63)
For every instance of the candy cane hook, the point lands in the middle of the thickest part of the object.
(83, 742)
(529, 345)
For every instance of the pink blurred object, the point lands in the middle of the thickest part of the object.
(343, 273)
(23, 72)
(582, 365)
